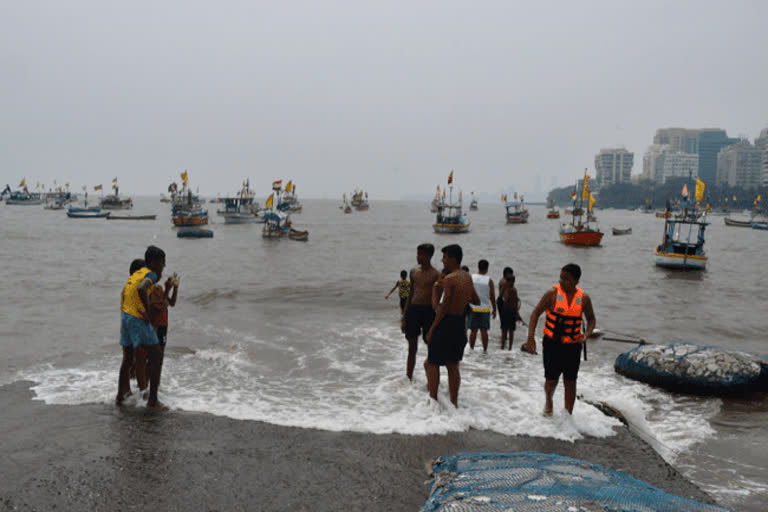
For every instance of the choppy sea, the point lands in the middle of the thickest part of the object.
(299, 333)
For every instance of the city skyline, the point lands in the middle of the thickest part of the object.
(389, 98)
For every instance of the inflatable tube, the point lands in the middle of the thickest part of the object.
(195, 233)
(695, 369)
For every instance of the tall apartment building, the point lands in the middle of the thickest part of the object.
(613, 166)
(762, 143)
(676, 164)
(740, 165)
(682, 140)
(711, 141)
(649, 161)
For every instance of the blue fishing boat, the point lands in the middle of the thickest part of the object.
(759, 224)
(683, 244)
(114, 201)
(516, 210)
(186, 208)
(241, 209)
(86, 212)
(22, 196)
(450, 216)
(277, 223)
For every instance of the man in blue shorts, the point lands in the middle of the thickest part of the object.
(565, 305)
(135, 328)
(418, 313)
(480, 315)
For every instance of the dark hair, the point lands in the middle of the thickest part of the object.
(427, 249)
(403, 274)
(153, 253)
(137, 264)
(482, 265)
(454, 251)
(508, 270)
(574, 270)
(465, 268)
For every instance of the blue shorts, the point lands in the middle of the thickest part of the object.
(136, 332)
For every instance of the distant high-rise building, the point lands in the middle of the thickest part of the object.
(711, 141)
(682, 140)
(649, 160)
(740, 165)
(676, 164)
(613, 166)
(762, 143)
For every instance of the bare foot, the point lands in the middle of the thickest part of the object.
(121, 397)
(547, 411)
(157, 406)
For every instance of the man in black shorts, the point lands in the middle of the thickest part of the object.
(418, 315)
(447, 337)
(565, 305)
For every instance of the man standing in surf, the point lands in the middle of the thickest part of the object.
(418, 313)
(565, 305)
(447, 337)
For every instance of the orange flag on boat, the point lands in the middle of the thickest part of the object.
(97, 187)
(685, 190)
(114, 180)
(450, 177)
(699, 189)
(23, 182)
(269, 201)
(573, 195)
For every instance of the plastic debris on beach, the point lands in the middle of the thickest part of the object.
(543, 482)
(691, 368)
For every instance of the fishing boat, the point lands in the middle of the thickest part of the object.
(277, 223)
(360, 200)
(345, 205)
(289, 200)
(450, 216)
(737, 223)
(22, 196)
(164, 198)
(683, 244)
(437, 201)
(241, 208)
(87, 212)
(114, 201)
(759, 224)
(582, 230)
(473, 203)
(620, 231)
(516, 211)
(553, 212)
(186, 208)
(647, 206)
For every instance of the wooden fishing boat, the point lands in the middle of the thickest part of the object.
(290, 201)
(451, 220)
(625, 231)
(473, 203)
(553, 212)
(360, 200)
(737, 223)
(300, 236)
(241, 209)
(683, 244)
(277, 223)
(114, 201)
(186, 208)
(582, 231)
(438, 201)
(22, 197)
(132, 217)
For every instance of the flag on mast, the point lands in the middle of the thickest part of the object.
(699, 189)
(277, 184)
(23, 182)
(269, 200)
(97, 187)
(288, 186)
(585, 189)
(450, 177)
(114, 180)
(685, 190)
(591, 201)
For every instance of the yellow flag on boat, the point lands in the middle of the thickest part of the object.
(23, 182)
(585, 189)
(450, 177)
(184, 176)
(114, 180)
(591, 201)
(288, 186)
(699, 189)
(269, 201)
(503, 197)
(97, 187)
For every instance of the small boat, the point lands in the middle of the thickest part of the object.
(618, 231)
(580, 231)
(289, 200)
(186, 209)
(437, 201)
(301, 236)
(360, 200)
(553, 212)
(164, 198)
(516, 211)
(683, 244)
(759, 224)
(737, 223)
(345, 206)
(473, 203)
(194, 233)
(277, 223)
(85, 214)
(241, 209)
(21, 197)
(450, 217)
(132, 217)
(114, 201)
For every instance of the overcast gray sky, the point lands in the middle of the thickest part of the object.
(341, 94)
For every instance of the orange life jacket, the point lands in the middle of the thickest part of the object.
(564, 322)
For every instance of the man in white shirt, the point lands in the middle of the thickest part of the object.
(480, 315)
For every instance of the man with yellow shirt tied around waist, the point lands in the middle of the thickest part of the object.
(565, 305)
(136, 329)
(480, 315)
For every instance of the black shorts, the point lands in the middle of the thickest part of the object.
(418, 320)
(561, 358)
(508, 317)
(162, 334)
(402, 302)
(448, 341)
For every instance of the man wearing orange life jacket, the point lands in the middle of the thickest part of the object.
(565, 305)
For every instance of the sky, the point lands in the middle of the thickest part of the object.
(388, 97)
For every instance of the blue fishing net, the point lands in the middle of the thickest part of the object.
(691, 368)
(542, 482)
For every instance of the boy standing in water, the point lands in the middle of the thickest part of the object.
(418, 315)
(480, 316)
(136, 330)
(159, 300)
(447, 337)
(403, 287)
(565, 305)
(509, 307)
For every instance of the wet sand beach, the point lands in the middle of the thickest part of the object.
(101, 457)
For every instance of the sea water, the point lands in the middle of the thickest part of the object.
(299, 333)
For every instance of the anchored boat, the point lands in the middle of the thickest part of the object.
(450, 216)
(683, 244)
(114, 201)
(241, 209)
(582, 230)
(186, 209)
(516, 211)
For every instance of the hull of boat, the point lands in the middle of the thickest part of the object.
(681, 261)
(242, 218)
(451, 228)
(737, 223)
(551, 215)
(760, 225)
(132, 217)
(190, 221)
(87, 215)
(627, 231)
(582, 238)
(517, 219)
(22, 202)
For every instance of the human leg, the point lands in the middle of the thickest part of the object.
(454, 381)
(154, 363)
(549, 391)
(433, 379)
(140, 368)
(123, 379)
(570, 394)
(511, 337)
(484, 337)
(472, 338)
(413, 345)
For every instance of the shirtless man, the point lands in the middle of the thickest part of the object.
(447, 337)
(418, 313)
(509, 307)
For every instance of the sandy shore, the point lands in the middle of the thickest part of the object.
(100, 457)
